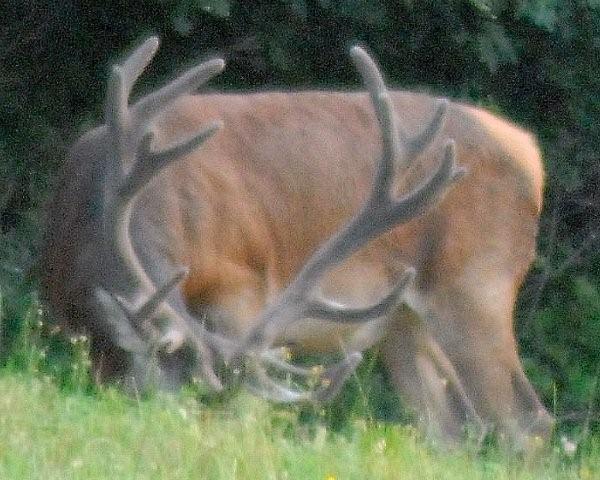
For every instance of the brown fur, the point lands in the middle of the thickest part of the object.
(246, 210)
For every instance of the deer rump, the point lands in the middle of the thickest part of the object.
(288, 170)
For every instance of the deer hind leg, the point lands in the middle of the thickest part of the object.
(472, 322)
(428, 382)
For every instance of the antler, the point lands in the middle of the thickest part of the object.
(131, 165)
(380, 213)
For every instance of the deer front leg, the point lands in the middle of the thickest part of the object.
(472, 322)
(427, 381)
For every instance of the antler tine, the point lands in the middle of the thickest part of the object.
(331, 381)
(116, 111)
(136, 63)
(384, 111)
(127, 338)
(334, 377)
(328, 310)
(149, 308)
(380, 213)
(132, 147)
(419, 142)
(373, 81)
(132, 163)
(205, 362)
(265, 387)
(120, 83)
(129, 126)
(152, 163)
(189, 81)
(369, 72)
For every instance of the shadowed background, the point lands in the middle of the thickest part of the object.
(533, 61)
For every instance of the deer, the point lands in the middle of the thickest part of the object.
(195, 232)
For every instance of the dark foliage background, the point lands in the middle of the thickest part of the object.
(535, 61)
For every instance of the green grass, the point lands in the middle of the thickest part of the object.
(56, 424)
(48, 432)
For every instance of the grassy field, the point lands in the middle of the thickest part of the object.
(55, 423)
(47, 432)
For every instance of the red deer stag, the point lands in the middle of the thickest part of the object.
(177, 248)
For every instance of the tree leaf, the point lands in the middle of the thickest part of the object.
(542, 13)
(218, 8)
